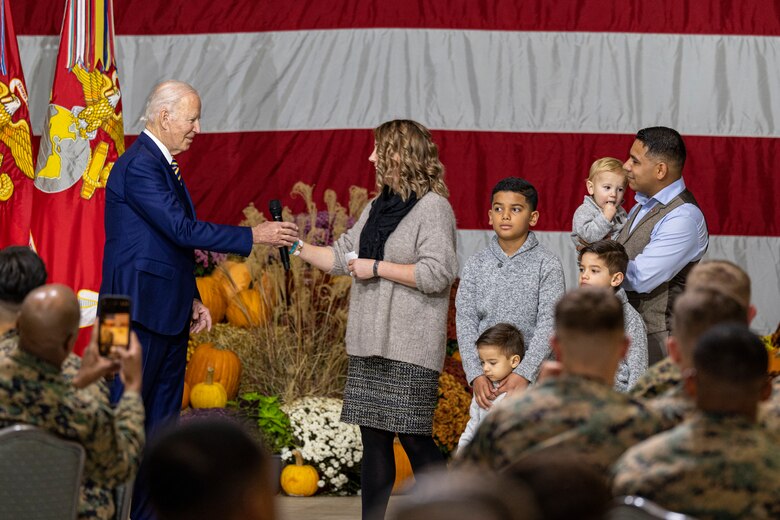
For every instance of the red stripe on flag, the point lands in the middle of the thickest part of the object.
(749, 17)
(225, 172)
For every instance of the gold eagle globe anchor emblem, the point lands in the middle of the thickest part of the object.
(65, 153)
(14, 134)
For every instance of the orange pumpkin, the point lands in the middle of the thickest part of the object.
(403, 468)
(213, 296)
(774, 361)
(227, 368)
(185, 396)
(234, 277)
(248, 308)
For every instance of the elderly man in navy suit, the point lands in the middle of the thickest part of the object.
(151, 232)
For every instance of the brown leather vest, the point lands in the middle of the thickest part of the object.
(655, 306)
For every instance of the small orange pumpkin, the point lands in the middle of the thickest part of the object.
(248, 308)
(213, 296)
(185, 396)
(299, 480)
(208, 394)
(403, 468)
(234, 277)
(226, 365)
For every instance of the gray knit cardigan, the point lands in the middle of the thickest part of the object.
(392, 320)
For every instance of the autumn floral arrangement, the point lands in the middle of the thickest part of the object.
(331, 446)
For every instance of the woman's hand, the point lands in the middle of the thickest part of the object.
(361, 268)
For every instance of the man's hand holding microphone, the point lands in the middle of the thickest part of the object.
(276, 233)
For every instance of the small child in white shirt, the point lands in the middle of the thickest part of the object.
(500, 348)
(601, 216)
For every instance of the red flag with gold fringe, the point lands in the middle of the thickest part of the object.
(16, 158)
(82, 137)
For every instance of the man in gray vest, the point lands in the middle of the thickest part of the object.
(665, 235)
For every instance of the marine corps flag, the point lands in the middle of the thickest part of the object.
(81, 139)
(16, 160)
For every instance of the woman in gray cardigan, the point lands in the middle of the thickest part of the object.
(401, 254)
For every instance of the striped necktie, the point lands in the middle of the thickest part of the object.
(176, 170)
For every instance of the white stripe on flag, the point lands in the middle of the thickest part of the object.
(451, 79)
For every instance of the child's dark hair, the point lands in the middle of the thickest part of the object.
(517, 185)
(610, 252)
(505, 336)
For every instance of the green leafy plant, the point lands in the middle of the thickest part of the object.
(265, 411)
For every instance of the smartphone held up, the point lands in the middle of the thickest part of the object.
(114, 323)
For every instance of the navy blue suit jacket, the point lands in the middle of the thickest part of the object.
(151, 231)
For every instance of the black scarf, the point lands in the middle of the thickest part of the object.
(386, 213)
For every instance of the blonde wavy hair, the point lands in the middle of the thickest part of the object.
(408, 160)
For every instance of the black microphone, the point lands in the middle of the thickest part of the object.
(275, 207)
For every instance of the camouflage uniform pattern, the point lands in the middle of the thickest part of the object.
(562, 413)
(37, 393)
(70, 367)
(674, 405)
(658, 379)
(769, 412)
(711, 467)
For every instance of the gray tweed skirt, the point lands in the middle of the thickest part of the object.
(390, 395)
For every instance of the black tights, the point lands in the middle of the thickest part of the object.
(377, 473)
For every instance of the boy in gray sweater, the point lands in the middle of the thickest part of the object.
(514, 280)
(603, 264)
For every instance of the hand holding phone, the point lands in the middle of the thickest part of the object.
(114, 323)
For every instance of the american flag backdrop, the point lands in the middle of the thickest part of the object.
(535, 89)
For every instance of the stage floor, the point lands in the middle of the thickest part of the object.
(322, 508)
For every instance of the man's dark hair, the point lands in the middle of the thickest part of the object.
(589, 310)
(663, 143)
(517, 185)
(505, 336)
(21, 271)
(204, 469)
(612, 253)
(731, 353)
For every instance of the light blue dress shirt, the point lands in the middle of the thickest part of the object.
(677, 239)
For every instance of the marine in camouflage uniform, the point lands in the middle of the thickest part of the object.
(565, 412)
(674, 405)
(38, 393)
(70, 367)
(659, 378)
(710, 466)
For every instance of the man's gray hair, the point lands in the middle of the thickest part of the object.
(165, 95)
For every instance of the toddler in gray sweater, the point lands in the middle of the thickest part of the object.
(601, 214)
